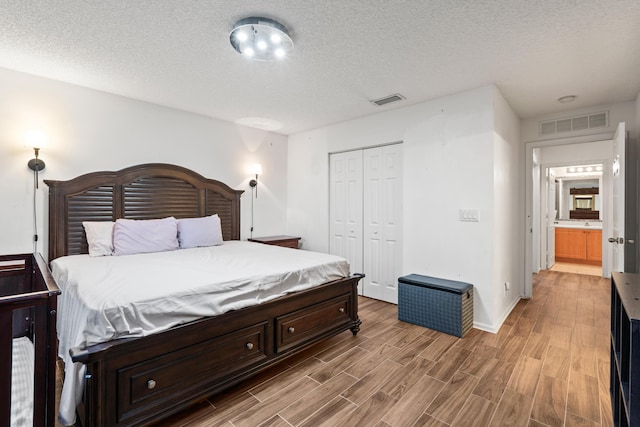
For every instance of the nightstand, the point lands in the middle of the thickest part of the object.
(284, 241)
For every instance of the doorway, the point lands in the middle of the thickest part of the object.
(541, 154)
(571, 240)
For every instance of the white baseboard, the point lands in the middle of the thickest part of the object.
(495, 328)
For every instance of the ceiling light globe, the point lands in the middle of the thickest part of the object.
(572, 169)
(261, 39)
(580, 169)
(589, 169)
(598, 168)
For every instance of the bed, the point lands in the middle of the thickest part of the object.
(137, 380)
(28, 297)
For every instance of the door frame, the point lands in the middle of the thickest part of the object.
(605, 185)
(527, 290)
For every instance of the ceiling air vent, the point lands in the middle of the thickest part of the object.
(574, 124)
(388, 99)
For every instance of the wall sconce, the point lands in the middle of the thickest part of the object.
(35, 139)
(256, 170)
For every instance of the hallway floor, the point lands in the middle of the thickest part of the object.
(566, 267)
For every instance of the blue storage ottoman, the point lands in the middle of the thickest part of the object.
(440, 304)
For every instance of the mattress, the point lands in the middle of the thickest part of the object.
(105, 298)
(22, 374)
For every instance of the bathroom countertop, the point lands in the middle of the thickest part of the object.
(578, 223)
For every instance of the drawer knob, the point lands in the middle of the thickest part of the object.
(291, 329)
(341, 309)
(249, 346)
(151, 384)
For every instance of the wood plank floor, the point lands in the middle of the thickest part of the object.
(567, 267)
(547, 366)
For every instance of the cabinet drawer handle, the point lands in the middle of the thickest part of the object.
(249, 346)
(341, 309)
(151, 384)
(291, 329)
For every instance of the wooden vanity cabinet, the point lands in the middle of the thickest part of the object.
(570, 243)
(578, 245)
(594, 245)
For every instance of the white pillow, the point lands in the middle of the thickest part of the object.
(199, 232)
(99, 237)
(131, 236)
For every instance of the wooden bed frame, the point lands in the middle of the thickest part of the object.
(140, 380)
(28, 301)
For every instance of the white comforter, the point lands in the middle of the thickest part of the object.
(105, 298)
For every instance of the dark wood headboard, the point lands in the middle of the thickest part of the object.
(147, 191)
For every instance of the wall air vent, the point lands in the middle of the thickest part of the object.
(574, 124)
(388, 99)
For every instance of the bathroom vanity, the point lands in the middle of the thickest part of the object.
(578, 241)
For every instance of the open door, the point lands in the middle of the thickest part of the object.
(552, 210)
(616, 239)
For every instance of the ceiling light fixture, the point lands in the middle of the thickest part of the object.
(261, 38)
(566, 99)
(584, 170)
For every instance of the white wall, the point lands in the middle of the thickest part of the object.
(90, 130)
(508, 208)
(586, 152)
(448, 158)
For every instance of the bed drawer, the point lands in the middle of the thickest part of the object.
(148, 385)
(304, 325)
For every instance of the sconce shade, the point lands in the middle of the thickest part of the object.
(256, 169)
(35, 139)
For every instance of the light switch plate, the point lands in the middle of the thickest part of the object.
(469, 215)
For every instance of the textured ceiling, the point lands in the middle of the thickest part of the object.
(177, 53)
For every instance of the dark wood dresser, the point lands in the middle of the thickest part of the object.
(284, 241)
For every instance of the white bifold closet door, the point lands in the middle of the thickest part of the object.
(346, 208)
(374, 237)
